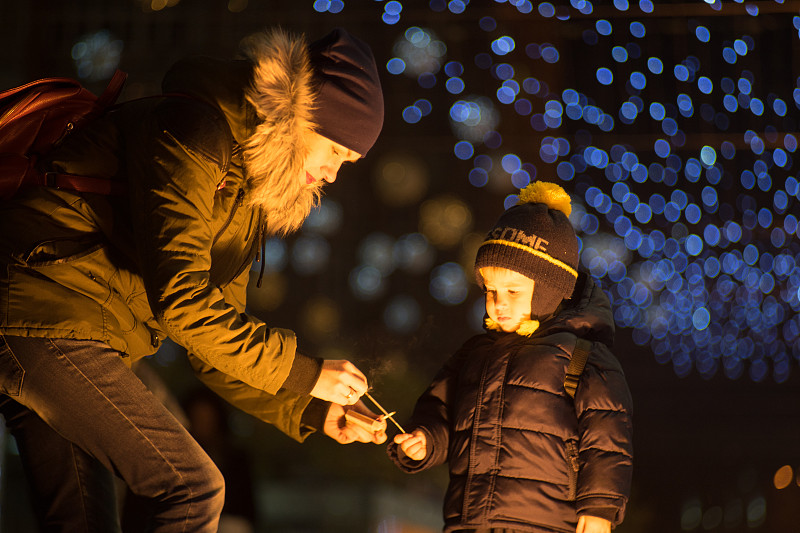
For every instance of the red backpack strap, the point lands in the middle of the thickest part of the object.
(113, 89)
(44, 81)
(72, 182)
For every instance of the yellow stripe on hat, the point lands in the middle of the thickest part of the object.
(537, 253)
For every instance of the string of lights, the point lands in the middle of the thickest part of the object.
(681, 170)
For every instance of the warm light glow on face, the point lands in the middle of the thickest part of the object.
(324, 160)
(508, 297)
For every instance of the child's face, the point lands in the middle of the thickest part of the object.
(508, 297)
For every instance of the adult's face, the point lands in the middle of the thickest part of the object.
(324, 160)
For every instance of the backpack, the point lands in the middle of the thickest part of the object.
(35, 118)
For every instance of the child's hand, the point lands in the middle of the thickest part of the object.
(593, 524)
(414, 445)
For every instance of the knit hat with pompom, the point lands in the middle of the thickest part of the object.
(536, 239)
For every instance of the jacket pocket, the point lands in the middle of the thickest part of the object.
(11, 372)
(573, 467)
(93, 274)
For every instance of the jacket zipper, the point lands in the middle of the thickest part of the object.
(573, 467)
(236, 204)
(465, 514)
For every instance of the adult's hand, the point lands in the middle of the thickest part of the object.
(340, 382)
(343, 431)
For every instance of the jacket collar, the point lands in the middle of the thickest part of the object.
(587, 313)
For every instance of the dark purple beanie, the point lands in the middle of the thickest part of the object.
(349, 103)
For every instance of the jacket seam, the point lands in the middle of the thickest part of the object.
(601, 495)
(619, 451)
(602, 410)
(559, 394)
(193, 151)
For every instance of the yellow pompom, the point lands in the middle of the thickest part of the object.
(550, 194)
(528, 327)
(491, 324)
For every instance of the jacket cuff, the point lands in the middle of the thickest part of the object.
(608, 513)
(612, 508)
(407, 464)
(400, 459)
(315, 414)
(304, 374)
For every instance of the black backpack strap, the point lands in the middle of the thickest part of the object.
(576, 363)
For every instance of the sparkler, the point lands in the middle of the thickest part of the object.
(386, 414)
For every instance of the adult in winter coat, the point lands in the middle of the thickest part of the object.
(522, 454)
(236, 152)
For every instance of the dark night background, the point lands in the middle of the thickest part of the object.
(713, 449)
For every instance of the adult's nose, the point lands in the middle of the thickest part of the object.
(330, 172)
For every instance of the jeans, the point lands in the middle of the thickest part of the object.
(80, 416)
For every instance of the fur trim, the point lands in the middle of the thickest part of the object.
(550, 194)
(282, 94)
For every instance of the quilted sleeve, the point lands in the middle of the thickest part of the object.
(604, 407)
(432, 414)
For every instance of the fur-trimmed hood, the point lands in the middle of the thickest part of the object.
(267, 99)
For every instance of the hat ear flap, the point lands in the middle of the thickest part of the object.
(545, 300)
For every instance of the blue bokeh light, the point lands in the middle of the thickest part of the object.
(689, 225)
(603, 27)
(605, 76)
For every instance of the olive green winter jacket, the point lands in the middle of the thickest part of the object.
(171, 257)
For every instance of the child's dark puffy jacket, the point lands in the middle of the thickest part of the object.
(518, 455)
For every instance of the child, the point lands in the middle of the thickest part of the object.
(522, 454)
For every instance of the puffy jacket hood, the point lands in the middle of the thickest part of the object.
(587, 314)
(267, 99)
